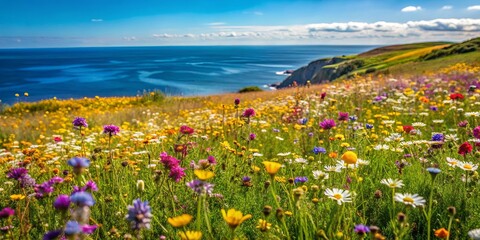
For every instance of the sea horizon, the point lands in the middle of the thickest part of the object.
(80, 72)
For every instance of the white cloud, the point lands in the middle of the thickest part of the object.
(411, 9)
(216, 23)
(96, 20)
(474, 8)
(437, 29)
(447, 7)
(133, 38)
(258, 13)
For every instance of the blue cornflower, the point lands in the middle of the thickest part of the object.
(72, 228)
(79, 162)
(82, 199)
(300, 180)
(353, 118)
(438, 137)
(318, 150)
(368, 126)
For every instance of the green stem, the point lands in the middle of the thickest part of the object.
(278, 207)
(429, 214)
(199, 213)
(449, 226)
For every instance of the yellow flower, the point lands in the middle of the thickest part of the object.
(263, 225)
(190, 235)
(272, 167)
(16, 197)
(203, 174)
(234, 217)
(180, 221)
(349, 157)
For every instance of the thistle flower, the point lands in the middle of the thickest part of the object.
(79, 122)
(17, 173)
(62, 202)
(248, 113)
(342, 116)
(327, 124)
(361, 229)
(476, 132)
(139, 215)
(6, 212)
(168, 161)
(177, 173)
(186, 130)
(111, 129)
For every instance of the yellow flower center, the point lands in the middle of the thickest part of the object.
(408, 199)
(337, 196)
(468, 166)
(392, 185)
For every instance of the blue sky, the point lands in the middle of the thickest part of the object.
(59, 23)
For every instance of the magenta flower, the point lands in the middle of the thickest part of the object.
(342, 116)
(249, 112)
(111, 129)
(476, 132)
(186, 130)
(168, 161)
(7, 212)
(328, 124)
(177, 173)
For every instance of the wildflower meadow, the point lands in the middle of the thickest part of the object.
(365, 158)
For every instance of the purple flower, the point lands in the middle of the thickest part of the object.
(91, 186)
(52, 235)
(27, 181)
(433, 108)
(438, 137)
(361, 229)
(88, 229)
(79, 162)
(368, 126)
(17, 173)
(300, 180)
(249, 112)
(42, 190)
(55, 180)
(7, 212)
(327, 124)
(82, 199)
(176, 173)
(200, 187)
(476, 132)
(342, 116)
(237, 101)
(168, 161)
(62, 202)
(252, 136)
(318, 150)
(79, 122)
(463, 123)
(139, 215)
(212, 160)
(111, 129)
(246, 179)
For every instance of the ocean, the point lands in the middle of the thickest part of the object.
(127, 71)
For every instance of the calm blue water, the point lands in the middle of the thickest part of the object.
(126, 71)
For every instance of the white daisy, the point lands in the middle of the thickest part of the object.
(410, 199)
(452, 162)
(467, 166)
(318, 174)
(338, 195)
(392, 183)
(332, 168)
(474, 234)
